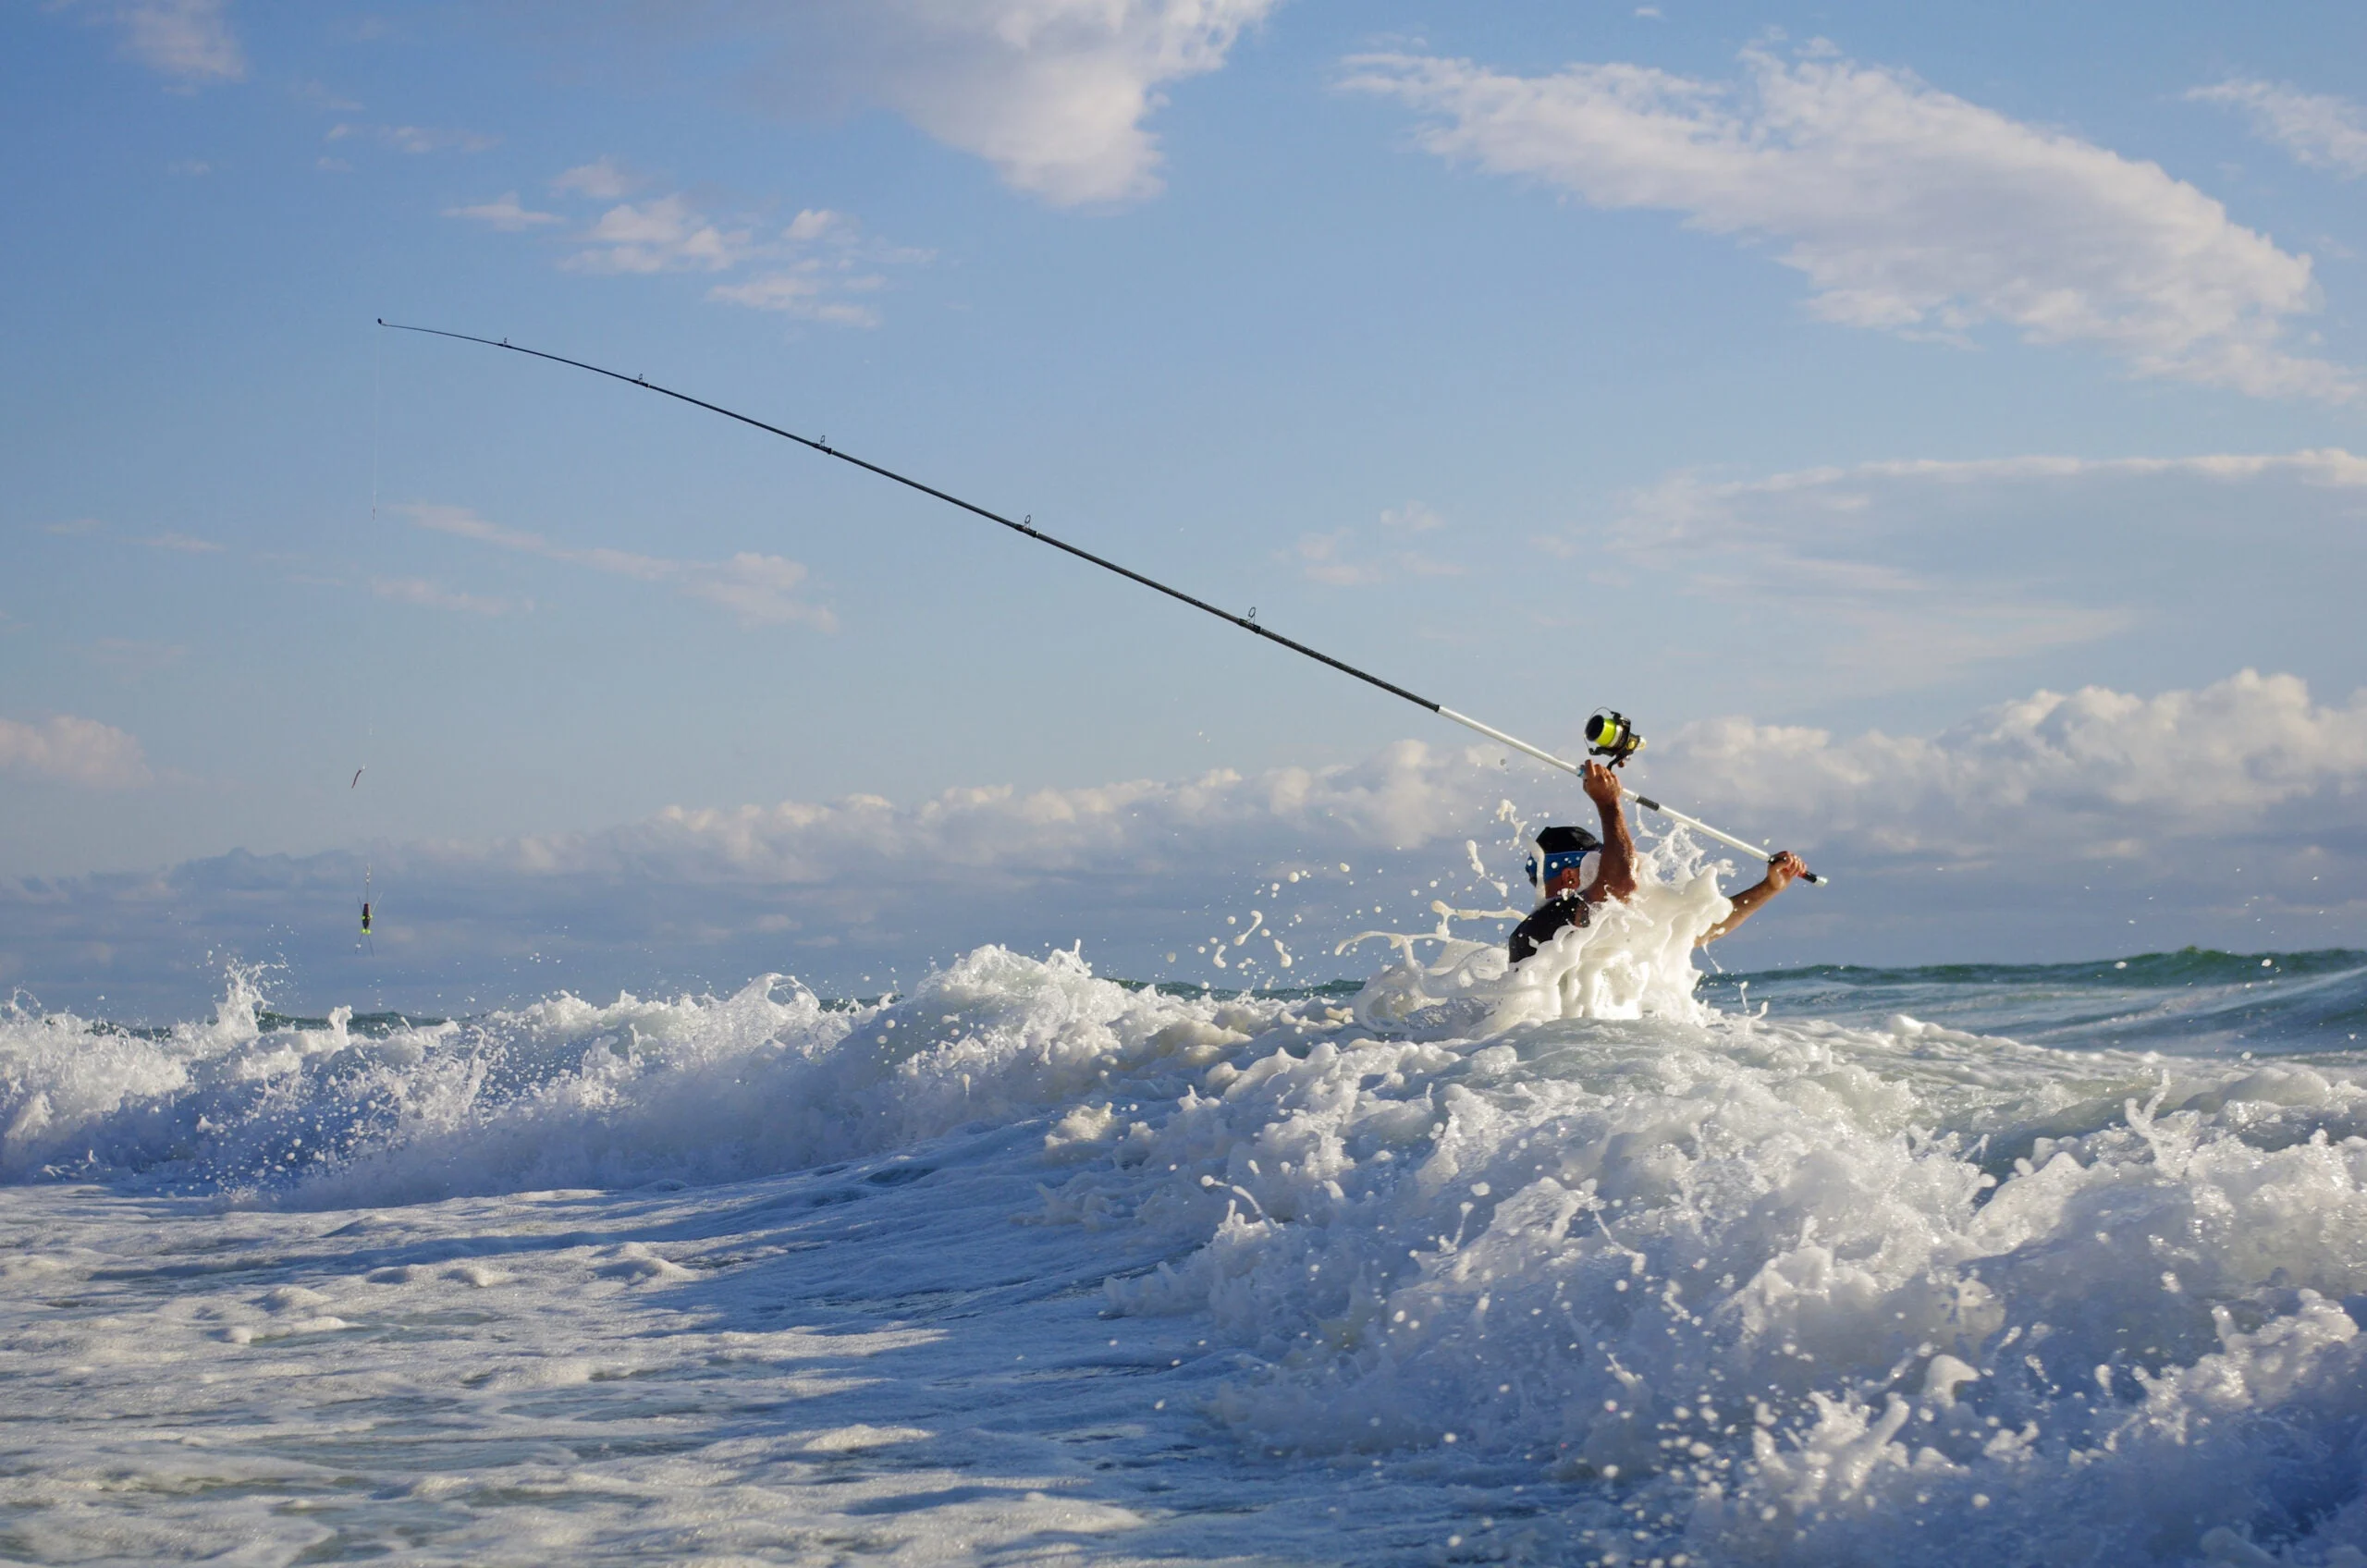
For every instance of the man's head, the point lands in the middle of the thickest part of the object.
(1563, 851)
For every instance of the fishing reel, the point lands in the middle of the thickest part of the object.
(1610, 737)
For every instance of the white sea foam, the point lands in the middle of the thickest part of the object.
(1656, 1278)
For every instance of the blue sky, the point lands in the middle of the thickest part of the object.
(1855, 372)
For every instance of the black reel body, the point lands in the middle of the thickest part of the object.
(1610, 737)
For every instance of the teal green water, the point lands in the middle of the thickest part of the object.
(2196, 1001)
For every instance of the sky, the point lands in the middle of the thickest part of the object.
(1940, 427)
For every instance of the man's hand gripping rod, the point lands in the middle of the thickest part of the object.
(1549, 760)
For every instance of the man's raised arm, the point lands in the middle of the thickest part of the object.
(1616, 876)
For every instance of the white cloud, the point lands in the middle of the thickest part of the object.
(794, 292)
(820, 266)
(420, 590)
(757, 589)
(416, 138)
(183, 543)
(1909, 209)
(2095, 773)
(319, 95)
(1890, 575)
(814, 223)
(1054, 93)
(666, 235)
(1323, 558)
(1407, 794)
(1338, 559)
(189, 40)
(2084, 774)
(465, 523)
(813, 265)
(2318, 128)
(504, 213)
(602, 180)
(1412, 517)
(68, 750)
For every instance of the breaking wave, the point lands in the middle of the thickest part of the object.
(1790, 1271)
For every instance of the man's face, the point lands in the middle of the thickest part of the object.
(1569, 879)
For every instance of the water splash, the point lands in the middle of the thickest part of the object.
(1787, 1288)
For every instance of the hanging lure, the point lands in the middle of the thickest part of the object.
(366, 872)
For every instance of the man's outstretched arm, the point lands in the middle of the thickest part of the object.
(1780, 872)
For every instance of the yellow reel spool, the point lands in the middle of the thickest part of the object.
(1609, 735)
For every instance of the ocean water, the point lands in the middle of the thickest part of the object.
(1606, 1261)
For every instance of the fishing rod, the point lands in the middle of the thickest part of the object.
(1617, 739)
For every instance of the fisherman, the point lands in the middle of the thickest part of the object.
(1570, 897)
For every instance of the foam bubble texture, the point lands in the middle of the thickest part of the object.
(1762, 1290)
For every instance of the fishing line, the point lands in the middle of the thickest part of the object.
(1026, 525)
(369, 690)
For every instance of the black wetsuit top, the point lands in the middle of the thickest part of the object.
(1546, 921)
